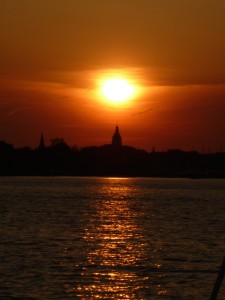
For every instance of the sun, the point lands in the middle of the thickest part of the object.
(117, 90)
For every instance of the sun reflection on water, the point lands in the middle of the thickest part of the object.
(114, 245)
(117, 252)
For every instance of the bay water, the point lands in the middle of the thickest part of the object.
(110, 238)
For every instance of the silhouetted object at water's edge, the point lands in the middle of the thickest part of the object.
(42, 143)
(218, 282)
(116, 139)
(108, 160)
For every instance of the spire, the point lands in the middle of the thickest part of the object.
(42, 143)
(116, 139)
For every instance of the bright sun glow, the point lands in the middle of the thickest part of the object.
(117, 90)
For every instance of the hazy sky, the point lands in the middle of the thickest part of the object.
(52, 53)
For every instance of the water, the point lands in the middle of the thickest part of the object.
(110, 238)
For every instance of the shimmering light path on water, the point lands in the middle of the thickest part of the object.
(110, 238)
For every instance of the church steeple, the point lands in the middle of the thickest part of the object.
(42, 143)
(116, 139)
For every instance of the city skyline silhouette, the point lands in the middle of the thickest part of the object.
(113, 159)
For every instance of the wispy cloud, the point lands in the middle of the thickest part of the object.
(141, 112)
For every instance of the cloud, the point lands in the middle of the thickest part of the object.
(142, 112)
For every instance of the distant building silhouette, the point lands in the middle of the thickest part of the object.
(42, 143)
(116, 139)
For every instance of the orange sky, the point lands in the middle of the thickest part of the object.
(52, 52)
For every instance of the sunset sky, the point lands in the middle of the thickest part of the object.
(54, 54)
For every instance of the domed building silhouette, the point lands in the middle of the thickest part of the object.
(116, 139)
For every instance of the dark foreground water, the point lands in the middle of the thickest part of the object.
(110, 238)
